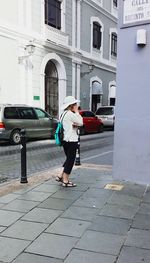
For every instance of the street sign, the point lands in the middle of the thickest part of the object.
(135, 12)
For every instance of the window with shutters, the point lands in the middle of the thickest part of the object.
(97, 35)
(114, 44)
(53, 13)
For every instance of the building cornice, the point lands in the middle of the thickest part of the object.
(102, 10)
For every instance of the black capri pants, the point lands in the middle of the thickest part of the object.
(70, 152)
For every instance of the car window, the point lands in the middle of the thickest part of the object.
(105, 111)
(27, 113)
(89, 114)
(41, 114)
(11, 113)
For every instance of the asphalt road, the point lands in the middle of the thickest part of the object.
(42, 155)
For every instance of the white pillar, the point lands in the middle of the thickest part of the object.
(73, 23)
(78, 23)
(78, 81)
(29, 87)
(73, 78)
(63, 16)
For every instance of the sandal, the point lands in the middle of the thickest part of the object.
(68, 184)
(58, 179)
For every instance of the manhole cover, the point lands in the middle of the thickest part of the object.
(115, 187)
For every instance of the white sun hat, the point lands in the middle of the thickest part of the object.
(69, 100)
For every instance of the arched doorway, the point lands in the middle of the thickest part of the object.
(112, 93)
(51, 89)
(97, 93)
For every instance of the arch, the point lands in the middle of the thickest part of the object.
(62, 78)
(112, 91)
(93, 79)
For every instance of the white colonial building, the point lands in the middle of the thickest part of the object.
(53, 48)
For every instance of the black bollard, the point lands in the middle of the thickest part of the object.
(23, 158)
(77, 161)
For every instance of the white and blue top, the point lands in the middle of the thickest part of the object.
(70, 122)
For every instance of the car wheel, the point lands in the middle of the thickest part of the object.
(101, 128)
(15, 137)
(82, 130)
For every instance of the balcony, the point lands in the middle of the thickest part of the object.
(56, 36)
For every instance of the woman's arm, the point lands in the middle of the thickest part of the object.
(75, 116)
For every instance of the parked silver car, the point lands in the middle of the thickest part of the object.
(107, 115)
(36, 122)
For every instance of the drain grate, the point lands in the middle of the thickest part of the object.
(115, 187)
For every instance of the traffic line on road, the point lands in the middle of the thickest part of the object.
(95, 156)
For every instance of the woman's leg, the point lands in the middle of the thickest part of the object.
(70, 151)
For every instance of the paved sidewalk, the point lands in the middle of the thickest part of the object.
(46, 223)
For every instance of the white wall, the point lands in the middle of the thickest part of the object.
(8, 71)
(9, 11)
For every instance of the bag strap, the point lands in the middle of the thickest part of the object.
(62, 116)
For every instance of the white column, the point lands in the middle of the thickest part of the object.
(73, 78)
(73, 23)
(78, 81)
(43, 19)
(63, 16)
(29, 72)
(78, 23)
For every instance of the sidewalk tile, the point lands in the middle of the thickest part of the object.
(67, 194)
(30, 258)
(122, 199)
(144, 209)
(15, 246)
(9, 217)
(35, 196)
(134, 255)
(2, 228)
(8, 198)
(138, 238)
(100, 242)
(119, 211)
(98, 193)
(42, 215)
(25, 230)
(47, 188)
(111, 225)
(85, 213)
(50, 245)
(142, 222)
(25, 189)
(146, 198)
(68, 227)
(56, 203)
(79, 187)
(83, 256)
(133, 189)
(90, 202)
(20, 205)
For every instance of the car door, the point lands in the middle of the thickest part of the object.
(88, 119)
(28, 121)
(45, 123)
(93, 121)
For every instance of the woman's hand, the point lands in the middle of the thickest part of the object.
(75, 108)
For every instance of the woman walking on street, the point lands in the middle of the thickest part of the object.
(71, 120)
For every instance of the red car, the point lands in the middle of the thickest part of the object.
(91, 123)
